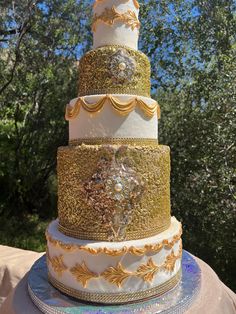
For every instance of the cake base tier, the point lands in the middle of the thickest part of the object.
(114, 272)
(178, 300)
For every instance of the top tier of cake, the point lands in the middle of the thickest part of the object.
(115, 22)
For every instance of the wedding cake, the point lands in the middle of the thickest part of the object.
(114, 240)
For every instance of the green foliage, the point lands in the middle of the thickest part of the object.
(191, 45)
(30, 232)
(202, 139)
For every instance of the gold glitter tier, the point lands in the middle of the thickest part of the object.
(114, 70)
(113, 192)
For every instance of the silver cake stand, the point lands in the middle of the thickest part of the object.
(51, 301)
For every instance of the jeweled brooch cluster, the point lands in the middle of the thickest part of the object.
(114, 190)
(122, 66)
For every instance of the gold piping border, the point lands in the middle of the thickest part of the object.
(154, 248)
(136, 4)
(114, 141)
(96, 236)
(117, 298)
(122, 108)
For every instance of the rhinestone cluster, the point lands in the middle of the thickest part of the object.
(114, 190)
(122, 66)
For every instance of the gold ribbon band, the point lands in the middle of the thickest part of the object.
(116, 298)
(96, 236)
(122, 108)
(114, 141)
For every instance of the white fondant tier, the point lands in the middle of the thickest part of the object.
(118, 33)
(109, 123)
(112, 272)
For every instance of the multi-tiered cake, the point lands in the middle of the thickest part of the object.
(114, 240)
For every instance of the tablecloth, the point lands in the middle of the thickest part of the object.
(214, 297)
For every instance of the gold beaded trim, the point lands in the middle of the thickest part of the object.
(114, 141)
(123, 108)
(96, 236)
(136, 4)
(95, 77)
(137, 251)
(110, 16)
(115, 298)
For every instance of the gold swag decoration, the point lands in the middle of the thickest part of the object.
(136, 4)
(122, 108)
(110, 16)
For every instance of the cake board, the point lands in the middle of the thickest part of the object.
(51, 301)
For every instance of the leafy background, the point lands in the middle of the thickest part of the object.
(191, 46)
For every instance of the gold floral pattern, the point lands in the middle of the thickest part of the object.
(110, 16)
(116, 275)
(122, 108)
(147, 271)
(82, 274)
(57, 263)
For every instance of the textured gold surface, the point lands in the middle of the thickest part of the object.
(114, 141)
(138, 251)
(122, 108)
(97, 72)
(136, 4)
(79, 218)
(110, 16)
(116, 298)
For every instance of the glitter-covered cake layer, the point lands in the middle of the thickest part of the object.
(113, 192)
(114, 70)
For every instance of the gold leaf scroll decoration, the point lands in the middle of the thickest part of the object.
(110, 16)
(57, 263)
(147, 271)
(116, 275)
(83, 274)
(136, 4)
(171, 259)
